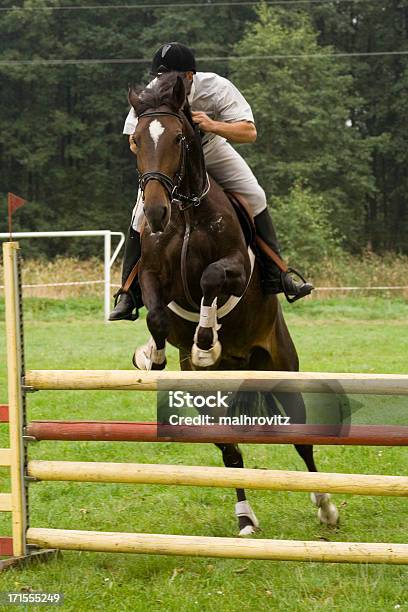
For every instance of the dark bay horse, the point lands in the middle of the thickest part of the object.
(195, 266)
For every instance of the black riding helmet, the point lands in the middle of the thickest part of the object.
(173, 56)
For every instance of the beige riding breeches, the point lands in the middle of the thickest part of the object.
(230, 171)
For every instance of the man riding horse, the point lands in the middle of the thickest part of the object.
(201, 282)
(223, 116)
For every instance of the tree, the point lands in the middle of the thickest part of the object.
(303, 109)
(61, 142)
(381, 82)
(304, 214)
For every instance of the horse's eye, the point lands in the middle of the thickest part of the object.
(179, 138)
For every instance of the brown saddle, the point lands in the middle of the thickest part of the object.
(246, 221)
(242, 210)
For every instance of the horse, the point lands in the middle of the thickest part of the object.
(196, 269)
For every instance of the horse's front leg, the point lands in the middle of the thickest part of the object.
(152, 355)
(225, 277)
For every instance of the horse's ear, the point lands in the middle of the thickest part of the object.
(179, 92)
(133, 97)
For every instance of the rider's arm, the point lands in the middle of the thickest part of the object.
(237, 131)
(232, 115)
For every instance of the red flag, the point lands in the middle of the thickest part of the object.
(13, 202)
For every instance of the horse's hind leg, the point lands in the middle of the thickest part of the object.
(224, 277)
(294, 407)
(327, 512)
(247, 521)
(232, 457)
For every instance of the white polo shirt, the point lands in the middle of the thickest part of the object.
(211, 94)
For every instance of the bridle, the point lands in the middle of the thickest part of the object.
(172, 185)
(184, 202)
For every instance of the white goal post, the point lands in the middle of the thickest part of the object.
(109, 258)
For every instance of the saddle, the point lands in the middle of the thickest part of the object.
(242, 210)
(259, 246)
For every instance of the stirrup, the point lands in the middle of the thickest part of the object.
(301, 294)
(116, 296)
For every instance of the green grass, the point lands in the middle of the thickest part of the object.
(367, 335)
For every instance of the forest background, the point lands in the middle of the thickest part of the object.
(327, 81)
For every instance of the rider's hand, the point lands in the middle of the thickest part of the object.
(203, 120)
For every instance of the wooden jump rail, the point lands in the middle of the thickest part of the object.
(189, 475)
(143, 431)
(230, 548)
(196, 382)
(30, 542)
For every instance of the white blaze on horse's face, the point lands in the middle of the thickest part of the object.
(156, 129)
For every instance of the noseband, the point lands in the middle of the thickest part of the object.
(172, 186)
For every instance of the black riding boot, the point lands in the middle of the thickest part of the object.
(128, 302)
(276, 281)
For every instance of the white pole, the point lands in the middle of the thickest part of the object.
(58, 234)
(119, 246)
(107, 273)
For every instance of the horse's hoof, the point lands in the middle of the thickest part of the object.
(244, 512)
(148, 357)
(206, 358)
(327, 512)
(247, 531)
(140, 363)
(328, 515)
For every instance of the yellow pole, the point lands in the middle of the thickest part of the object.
(233, 548)
(15, 395)
(203, 476)
(203, 382)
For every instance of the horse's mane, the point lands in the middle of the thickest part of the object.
(160, 92)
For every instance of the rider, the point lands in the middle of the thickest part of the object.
(223, 115)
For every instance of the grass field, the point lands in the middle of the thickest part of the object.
(366, 335)
(366, 270)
